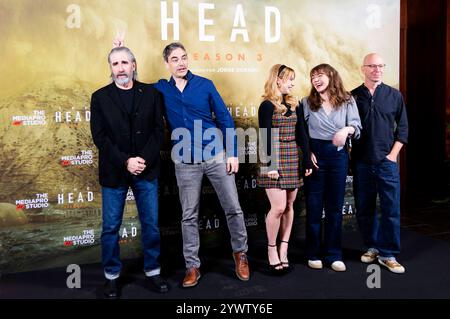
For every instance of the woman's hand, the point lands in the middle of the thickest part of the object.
(340, 137)
(308, 171)
(273, 175)
(314, 160)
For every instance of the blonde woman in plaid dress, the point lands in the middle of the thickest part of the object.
(280, 131)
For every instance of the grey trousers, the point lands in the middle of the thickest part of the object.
(189, 180)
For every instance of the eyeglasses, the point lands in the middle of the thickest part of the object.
(374, 66)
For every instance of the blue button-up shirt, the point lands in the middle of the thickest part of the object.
(384, 122)
(199, 109)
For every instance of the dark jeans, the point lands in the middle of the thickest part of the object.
(113, 202)
(325, 190)
(368, 181)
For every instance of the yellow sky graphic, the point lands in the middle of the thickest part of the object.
(39, 41)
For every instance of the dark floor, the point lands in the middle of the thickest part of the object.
(431, 218)
(425, 254)
(425, 259)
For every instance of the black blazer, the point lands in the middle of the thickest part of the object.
(119, 135)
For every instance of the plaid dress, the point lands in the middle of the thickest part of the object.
(288, 153)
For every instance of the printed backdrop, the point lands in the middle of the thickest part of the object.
(54, 55)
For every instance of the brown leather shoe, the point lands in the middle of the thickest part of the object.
(242, 269)
(191, 278)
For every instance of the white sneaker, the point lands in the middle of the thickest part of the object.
(338, 266)
(392, 265)
(369, 256)
(315, 264)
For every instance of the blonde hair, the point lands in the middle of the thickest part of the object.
(272, 92)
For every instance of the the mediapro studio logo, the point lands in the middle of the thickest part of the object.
(86, 238)
(40, 201)
(36, 118)
(85, 157)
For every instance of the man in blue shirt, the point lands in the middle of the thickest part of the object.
(385, 130)
(204, 143)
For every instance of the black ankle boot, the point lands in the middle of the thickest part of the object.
(111, 288)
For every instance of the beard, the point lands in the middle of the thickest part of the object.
(122, 80)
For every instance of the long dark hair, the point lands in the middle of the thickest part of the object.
(336, 91)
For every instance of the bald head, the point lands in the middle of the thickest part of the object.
(371, 58)
(373, 68)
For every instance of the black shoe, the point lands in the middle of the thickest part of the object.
(111, 289)
(277, 269)
(158, 284)
(285, 264)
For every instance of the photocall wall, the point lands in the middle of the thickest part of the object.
(54, 55)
